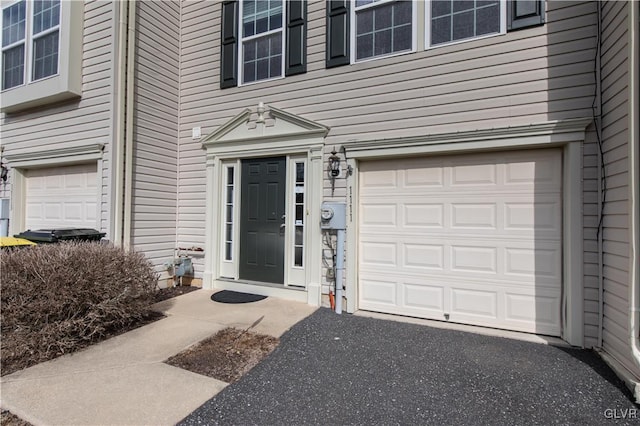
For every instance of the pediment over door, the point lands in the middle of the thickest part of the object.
(263, 124)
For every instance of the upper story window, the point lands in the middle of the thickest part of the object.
(369, 29)
(41, 60)
(382, 28)
(455, 20)
(262, 40)
(30, 41)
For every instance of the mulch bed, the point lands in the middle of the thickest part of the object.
(9, 419)
(169, 292)
(227, 355)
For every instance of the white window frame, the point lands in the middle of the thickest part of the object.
(29, 41)
(67, 83)
(229, 268)
(427, 27)
(295, 275)
(33, 37)
(352, 26)
(242, 40)
(23, 41)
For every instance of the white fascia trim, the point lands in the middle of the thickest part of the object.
(569, 134)
(547, 133)
(56, 156)
(262, 147)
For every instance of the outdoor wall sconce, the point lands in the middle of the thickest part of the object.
(334, 168)
(4, 171)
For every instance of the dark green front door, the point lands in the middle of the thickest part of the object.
(262, 212)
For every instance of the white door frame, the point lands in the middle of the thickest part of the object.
(267, 133)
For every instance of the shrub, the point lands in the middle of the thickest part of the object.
(58, 298)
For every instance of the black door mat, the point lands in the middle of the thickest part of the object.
(228, 296)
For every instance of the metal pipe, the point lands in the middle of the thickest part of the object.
(339, 269)
(128, 171)
(118, 148)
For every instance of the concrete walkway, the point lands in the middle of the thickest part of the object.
(123, 380)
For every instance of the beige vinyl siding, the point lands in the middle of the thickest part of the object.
(199, 77)
(615, 125)
(155, 170)
(85, 121)
(533, 75)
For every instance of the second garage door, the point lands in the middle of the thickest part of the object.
(474, 239)
(62, 197)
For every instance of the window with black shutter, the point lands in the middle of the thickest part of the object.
(262, 40)
(383, 28)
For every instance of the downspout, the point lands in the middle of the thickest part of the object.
(597, 120)
(634, 194)
(128, 173)
(118, 157)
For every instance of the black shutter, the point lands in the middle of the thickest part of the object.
(296, 60)
(338, 39)
(229, 45)
(524, 14)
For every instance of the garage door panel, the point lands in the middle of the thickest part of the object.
(530, 308)
(420, 177)
(379, 253)
(429, 298)
(422, 256)
(62, 197)
(423, 215)
(377, 291)
(474, 302)
(474, 259)
(377, 215)
(465, 237)
(474, 215)
(533, 262)
(474, 175)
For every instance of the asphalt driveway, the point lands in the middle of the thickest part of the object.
(332, 369)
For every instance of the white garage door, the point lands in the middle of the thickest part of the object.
(473, 239)
(62, 197)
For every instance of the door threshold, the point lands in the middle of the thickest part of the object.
(264, 289)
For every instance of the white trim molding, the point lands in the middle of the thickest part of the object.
(21, 161)
(568, 134)
(266, 132)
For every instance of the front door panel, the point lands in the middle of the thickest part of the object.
(262, 207)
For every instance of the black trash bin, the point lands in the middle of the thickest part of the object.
(61, 234)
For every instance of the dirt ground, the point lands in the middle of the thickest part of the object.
(227, 355)
(169, 292)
